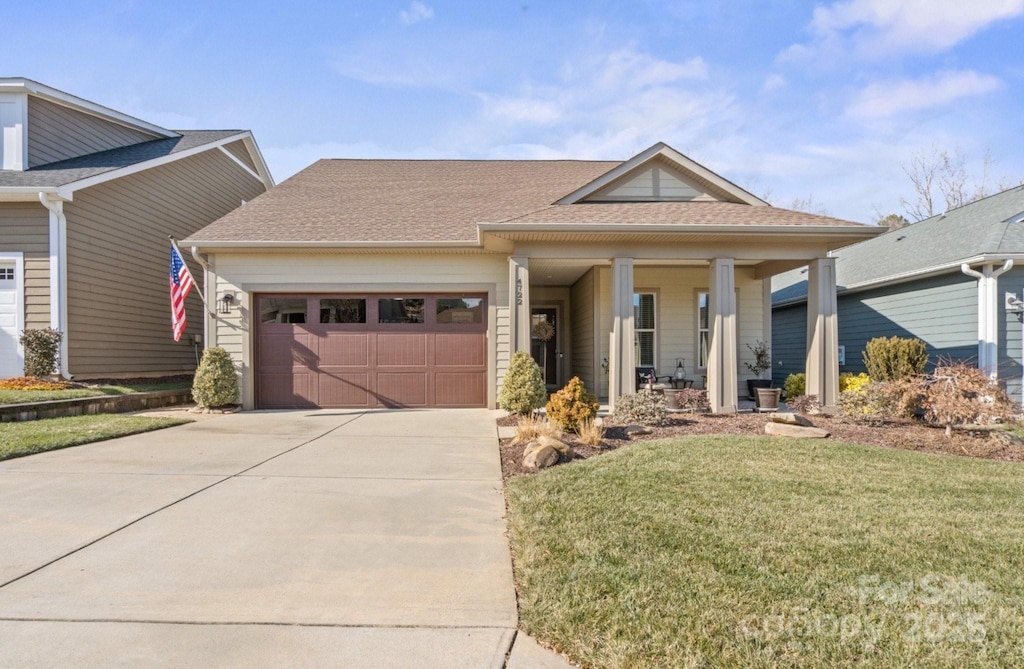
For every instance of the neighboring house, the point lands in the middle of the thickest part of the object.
(942, 280)
(363, 283)
(88, 197)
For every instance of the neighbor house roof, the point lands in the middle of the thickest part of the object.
(990, 228)
(395, 201)
(75, 169)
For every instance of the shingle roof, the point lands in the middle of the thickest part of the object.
(444, 200)
(83, 167)
(983, 227)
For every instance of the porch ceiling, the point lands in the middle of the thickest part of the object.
(559, 272)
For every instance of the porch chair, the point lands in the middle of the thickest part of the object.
(647, 373)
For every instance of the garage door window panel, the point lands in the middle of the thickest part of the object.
(283, 310)
(401, 310)
(343, 311)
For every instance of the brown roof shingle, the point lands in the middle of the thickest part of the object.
(444, 200)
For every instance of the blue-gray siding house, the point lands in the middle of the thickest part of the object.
(943, 280)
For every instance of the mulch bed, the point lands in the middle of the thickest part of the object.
(908, 435)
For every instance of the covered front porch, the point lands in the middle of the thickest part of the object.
(607, 317)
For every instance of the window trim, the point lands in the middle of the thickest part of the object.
(653, 292)
(696, 326)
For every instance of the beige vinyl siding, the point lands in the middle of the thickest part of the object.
(245, 274)
(583, 336)
(676, 325)
(239, 150)
(57, 133)
(26, 228)
(118, 303)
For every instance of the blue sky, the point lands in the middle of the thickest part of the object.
(792, 100)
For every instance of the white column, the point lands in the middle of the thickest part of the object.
(621, 360)
(722, 356)
(988, 315)
(822, 333)
(519, 302)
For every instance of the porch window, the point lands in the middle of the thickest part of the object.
(703, 331)
(644, 327)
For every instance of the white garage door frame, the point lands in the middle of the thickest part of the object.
(12, 356)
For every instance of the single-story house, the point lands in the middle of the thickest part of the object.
(943, 280)
(408, 283)
(88, 197)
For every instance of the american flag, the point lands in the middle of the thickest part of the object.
(181, 284)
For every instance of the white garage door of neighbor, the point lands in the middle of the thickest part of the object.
(11, 310)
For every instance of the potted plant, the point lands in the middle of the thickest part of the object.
(762, 363)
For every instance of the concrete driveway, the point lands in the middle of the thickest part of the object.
(316, 538)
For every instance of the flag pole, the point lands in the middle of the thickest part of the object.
(202, 293)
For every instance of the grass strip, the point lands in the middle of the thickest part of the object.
(26, 438)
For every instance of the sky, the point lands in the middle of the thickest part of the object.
(822, 105)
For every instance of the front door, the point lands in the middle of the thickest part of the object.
(544, 343)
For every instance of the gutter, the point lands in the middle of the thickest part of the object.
(988, 314)
(775, 230)
(206, 283)
(58, 276)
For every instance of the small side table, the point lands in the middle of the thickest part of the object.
(681, 383)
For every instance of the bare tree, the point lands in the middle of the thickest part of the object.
(892, 221)
(809, 205)
(940, 178)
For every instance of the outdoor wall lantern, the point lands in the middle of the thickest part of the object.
(224, 303)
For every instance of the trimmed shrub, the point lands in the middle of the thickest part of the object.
(216, 383)
(894, 358)
(643, 408)
(808, 404)
(42, 351)
(693, 399)
(795, 385)
(522, 391)
(572, 405)
(847, 381)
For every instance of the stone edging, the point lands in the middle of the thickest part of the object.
(92, 405)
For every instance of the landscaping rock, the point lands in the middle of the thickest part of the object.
(564, 449)
(790, 418)
(1006, 437)
(631, 430)
(540, 457)
(795, 431)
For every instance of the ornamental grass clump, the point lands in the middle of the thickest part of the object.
(522, 391)
(591, 432)
(42, 351)
(216, 383)
(643, 408)
(529, 428)
(572, 405)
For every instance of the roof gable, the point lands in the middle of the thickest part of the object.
(661, 174)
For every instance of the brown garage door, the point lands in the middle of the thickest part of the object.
(371, 351)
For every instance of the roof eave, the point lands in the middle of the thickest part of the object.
(234, 244)
(852, 232)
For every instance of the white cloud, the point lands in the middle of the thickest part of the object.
(882, 99)
(772, 83)
(874, 28)
(416, 12)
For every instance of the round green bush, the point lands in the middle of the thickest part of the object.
(795, 386)
(522, 391)
(216, 383)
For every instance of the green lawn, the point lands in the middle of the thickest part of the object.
(27, 396)
(17, 439)
(748, 551)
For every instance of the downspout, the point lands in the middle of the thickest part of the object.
(58, 276)
(988, 314)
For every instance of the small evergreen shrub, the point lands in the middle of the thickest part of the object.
(42, 351)
(572, 405)
(522, 391)
(216, 383)
(643, 408)
(795, 385)
(894, 358)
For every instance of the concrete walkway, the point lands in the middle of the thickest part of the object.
(322, 538)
